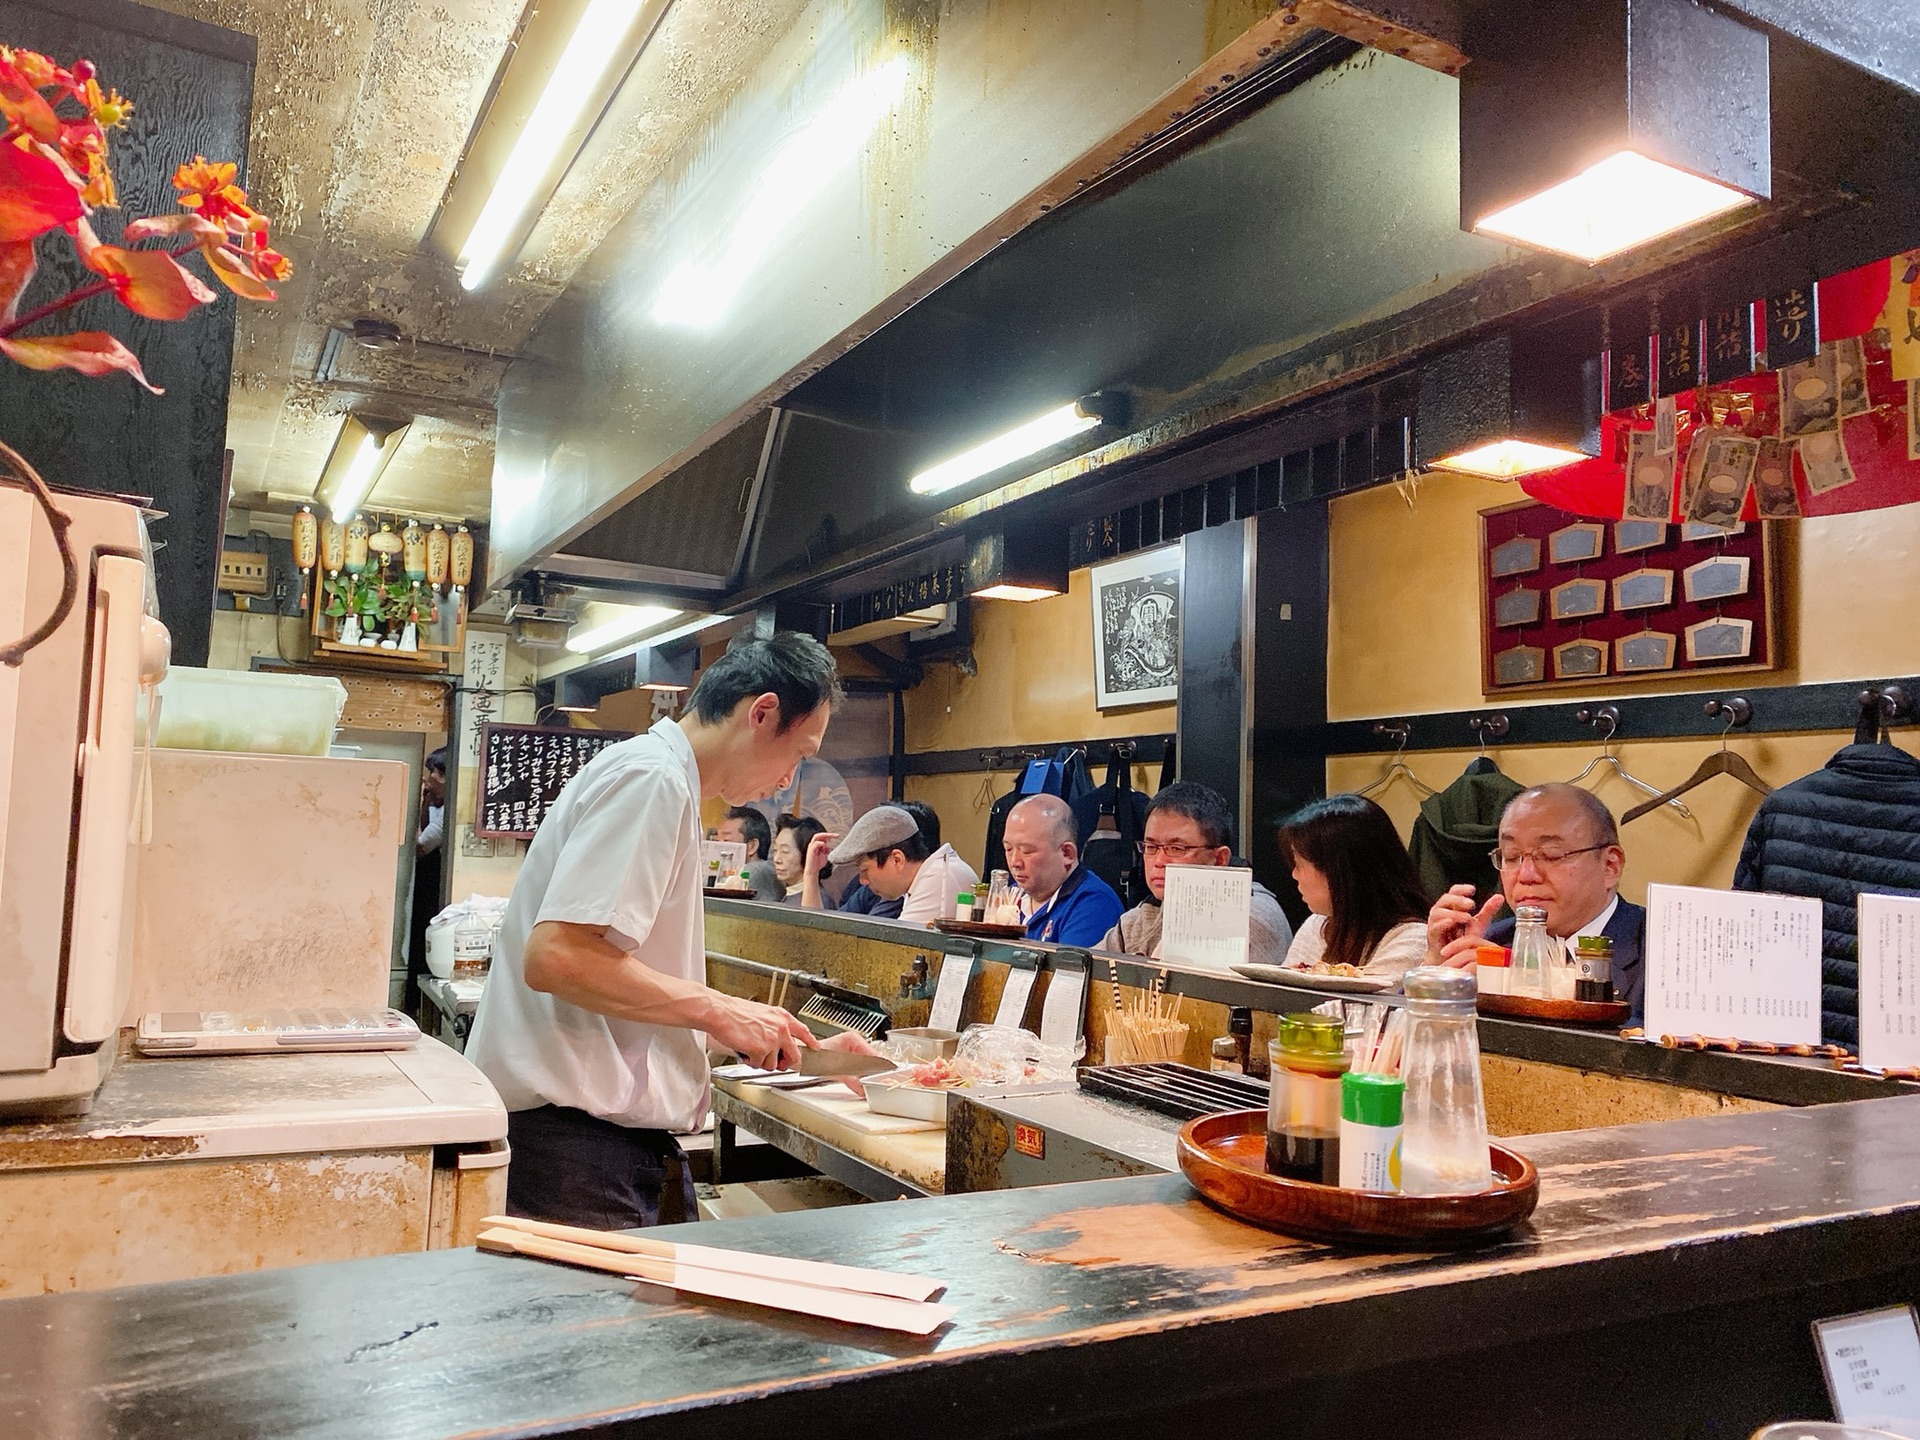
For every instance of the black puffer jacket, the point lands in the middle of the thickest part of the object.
(1853, 825)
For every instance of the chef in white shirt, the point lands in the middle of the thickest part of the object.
(595, 1020)
(897, 863)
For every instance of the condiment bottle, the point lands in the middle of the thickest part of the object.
(1308, 1055)
(1240, 1031)
(1492, 965)
(1370, 1116)
(1444, 1150)
(963, 905)
(1534, 957)
(1593, 968)
(1226, 1056)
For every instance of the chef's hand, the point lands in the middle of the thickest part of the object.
(849, 1041)
(1454, 927)
(764, 1036)
(819, 850)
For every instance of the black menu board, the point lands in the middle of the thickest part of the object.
(523, 769)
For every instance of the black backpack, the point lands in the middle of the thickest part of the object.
(1112, 819)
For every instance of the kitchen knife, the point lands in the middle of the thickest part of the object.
(842, 1063)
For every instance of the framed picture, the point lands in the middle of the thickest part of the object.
(1519, 556)
(1720, 639)
(1571, 545)
(1577, 599)
(1136, 629)
(1516, 607)
(1579, 660)
(1522, 665)
(1632, 535)
(1643, 589)
(1721, 578)
(1649, 650)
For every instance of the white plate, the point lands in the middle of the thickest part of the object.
(1279, 975)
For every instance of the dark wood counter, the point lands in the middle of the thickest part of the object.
(1663, 1288)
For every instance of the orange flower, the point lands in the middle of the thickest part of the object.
(209, 188)
(109, 108)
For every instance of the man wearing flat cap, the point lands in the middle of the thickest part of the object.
(895, 862)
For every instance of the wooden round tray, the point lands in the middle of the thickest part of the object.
(1225, 1158)
(981, 929)
(729, 892)
(1574, 1012)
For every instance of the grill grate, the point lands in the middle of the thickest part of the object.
(828, 1017)
(1177, 1090)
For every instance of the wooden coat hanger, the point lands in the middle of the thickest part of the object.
(1722, 762)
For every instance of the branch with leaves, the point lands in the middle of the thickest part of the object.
(54, 175)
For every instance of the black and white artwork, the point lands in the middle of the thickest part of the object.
(1516, 607)
(1721, 578)
(1578, 599)
(1642, 589)
(1579, 659)
(1136, 629)
(1721, 639)
(1522, 665)
(1649, 650)
(1632, 535)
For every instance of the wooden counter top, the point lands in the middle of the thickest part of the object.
(1664, 1285)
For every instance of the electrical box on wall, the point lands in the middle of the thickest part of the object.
(243, 572)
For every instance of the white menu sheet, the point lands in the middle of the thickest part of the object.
(1732, 964)
(950, 996)
(1889, 981)
(1013, 1000)
(1063, 1013)
(1205, 915)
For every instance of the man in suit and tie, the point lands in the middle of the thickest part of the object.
(1559, 850)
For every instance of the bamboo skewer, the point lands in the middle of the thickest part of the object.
(1150, 1029)
(855, 1307)
(741, 1262)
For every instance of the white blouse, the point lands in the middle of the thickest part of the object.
(1399, 950)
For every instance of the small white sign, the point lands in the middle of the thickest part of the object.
(1889, 981)
(1732, 964)
(1206, 915)
(1063, 1012)
(1013, 1000)
(1872, 1361)
(950, 996)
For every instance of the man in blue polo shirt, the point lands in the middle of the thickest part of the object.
(1066, 903)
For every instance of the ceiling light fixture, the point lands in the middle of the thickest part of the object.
(1580, 133)
(1512, 405)
(697, 293)
(524, 144)
(1024, 564)
(1041, 433)
(361, 453)
(634, 620)
(1507, 459)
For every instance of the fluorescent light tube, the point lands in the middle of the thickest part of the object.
(1622, 201)
(623, 627)
(1028, 439)
(360, 476)
(576, 77)
(1506, 459)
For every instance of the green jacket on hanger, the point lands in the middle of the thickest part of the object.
(1458, 826)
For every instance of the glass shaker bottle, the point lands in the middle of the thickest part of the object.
(1308, 1057)
(1443, 1148)
(1536, 954)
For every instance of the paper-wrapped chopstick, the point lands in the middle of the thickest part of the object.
(743, 1262)
(884, 1312)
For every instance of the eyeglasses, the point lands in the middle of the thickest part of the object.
(1542, 859)
(1176, 854)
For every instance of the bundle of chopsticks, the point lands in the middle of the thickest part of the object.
(850, 1293)
(1382, 1034)
(1148, 1028)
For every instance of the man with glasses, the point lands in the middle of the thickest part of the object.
(1559, 850)
(1189, 824)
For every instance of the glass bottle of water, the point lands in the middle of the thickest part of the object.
(1443, 1149)
(1536, 954)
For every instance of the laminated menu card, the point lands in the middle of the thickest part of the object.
(1205, 915)
(1889, 981)
(1732, 964)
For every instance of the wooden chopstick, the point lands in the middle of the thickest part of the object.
(740, 1262)
(884, 1312)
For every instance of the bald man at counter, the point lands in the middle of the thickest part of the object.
(1560, 850)
(1065, 903)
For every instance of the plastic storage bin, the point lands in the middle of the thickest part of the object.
(246, 711)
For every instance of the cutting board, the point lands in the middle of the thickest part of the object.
(841, 1104)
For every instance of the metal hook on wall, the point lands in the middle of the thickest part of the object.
(1490, 727)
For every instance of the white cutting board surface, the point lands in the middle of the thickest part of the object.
(841, 1104)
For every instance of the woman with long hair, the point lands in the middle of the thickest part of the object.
(1369, 912)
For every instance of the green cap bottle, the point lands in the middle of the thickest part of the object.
(1369, 1099)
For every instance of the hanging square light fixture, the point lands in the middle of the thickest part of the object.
(1512, 406)
(1597, 126)
(1029, 563)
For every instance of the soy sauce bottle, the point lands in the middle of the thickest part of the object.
(1308, 1056)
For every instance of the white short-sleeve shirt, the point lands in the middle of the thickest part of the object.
(620, 848)
(942, 876)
